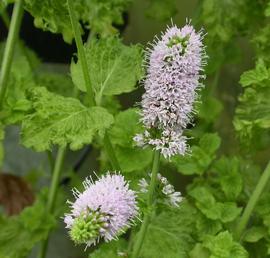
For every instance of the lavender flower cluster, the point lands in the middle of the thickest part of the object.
(174, 68)
(103, 210)
(171, 197)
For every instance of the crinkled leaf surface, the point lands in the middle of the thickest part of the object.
(61, 120)
(213, 209)
(254, 234)
(102, 15)
(252, 115)
(169, 234)
(51, 16)
(229, 177)
(223, 246)
(21, 77)
(99, 15)
(113, 67)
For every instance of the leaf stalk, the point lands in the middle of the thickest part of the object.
(53, 191)
(150, 204)
(81, 52)
(90, 92)
(252, 202)
(13, 33)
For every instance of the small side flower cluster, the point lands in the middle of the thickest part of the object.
(174, 67)
(172, 197)
(103, 210)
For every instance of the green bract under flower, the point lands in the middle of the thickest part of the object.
(87, 226)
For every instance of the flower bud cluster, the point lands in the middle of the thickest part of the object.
(166, 192)
(102, 211)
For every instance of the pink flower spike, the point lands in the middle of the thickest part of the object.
(174, 67)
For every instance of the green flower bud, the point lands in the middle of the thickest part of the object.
(87, 227)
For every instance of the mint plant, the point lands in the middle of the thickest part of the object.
(177, 131)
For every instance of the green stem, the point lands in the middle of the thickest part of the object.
(252, 202)
(85, 70)
(130, 241)
(81, 53)
(150, 203)
(53, 191)
(9, 48)
(110, 152)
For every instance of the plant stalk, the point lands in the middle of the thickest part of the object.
(111, 154)
(53, 191)
(13, 33)
(90, 93)
(150, 203)
(252, 202)
(81, 53)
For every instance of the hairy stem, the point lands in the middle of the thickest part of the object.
(53, 191)
(81, 52)
(252, 202)
(9, 48)
(150, 203)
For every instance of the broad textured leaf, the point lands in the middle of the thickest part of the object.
(229, 177)
(252, 116)
(21, 77)
(199, 251)
(102, 15)
(170, 232)
(133, 159)
(223, 246)
(108, 60)
(210, 143)
(201, 156)
(259, 75)
(207, 226)
(51, 16)
(60, 120)
(213, 209)
(98, 15)
(127, 125)
(254, 234)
